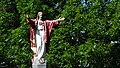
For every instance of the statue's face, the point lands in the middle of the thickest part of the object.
(40, 15)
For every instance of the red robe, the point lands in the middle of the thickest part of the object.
(48, 25)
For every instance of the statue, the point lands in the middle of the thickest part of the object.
(40, 35)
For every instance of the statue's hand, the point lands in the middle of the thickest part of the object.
(26, 16)
(61, 19)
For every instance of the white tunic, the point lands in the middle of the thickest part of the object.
(40, 42)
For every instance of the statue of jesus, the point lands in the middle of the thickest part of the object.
(40, 35)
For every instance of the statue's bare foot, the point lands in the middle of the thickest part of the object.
(42, 60)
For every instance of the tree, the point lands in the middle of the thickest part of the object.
(82, 40)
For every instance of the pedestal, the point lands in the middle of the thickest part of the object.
(36, 64)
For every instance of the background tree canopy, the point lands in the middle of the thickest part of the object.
(88, 38)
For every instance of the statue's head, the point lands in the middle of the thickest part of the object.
(40, 23)
(39, 15)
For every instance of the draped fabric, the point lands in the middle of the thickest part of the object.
(48, 25)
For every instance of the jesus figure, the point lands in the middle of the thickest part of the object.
(40, 35)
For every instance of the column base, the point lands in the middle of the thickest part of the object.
(36, 64)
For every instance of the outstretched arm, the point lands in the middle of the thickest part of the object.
(55, 22)
(30, 21)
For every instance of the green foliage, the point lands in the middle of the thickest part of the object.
(71, 47)
(82, 40)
